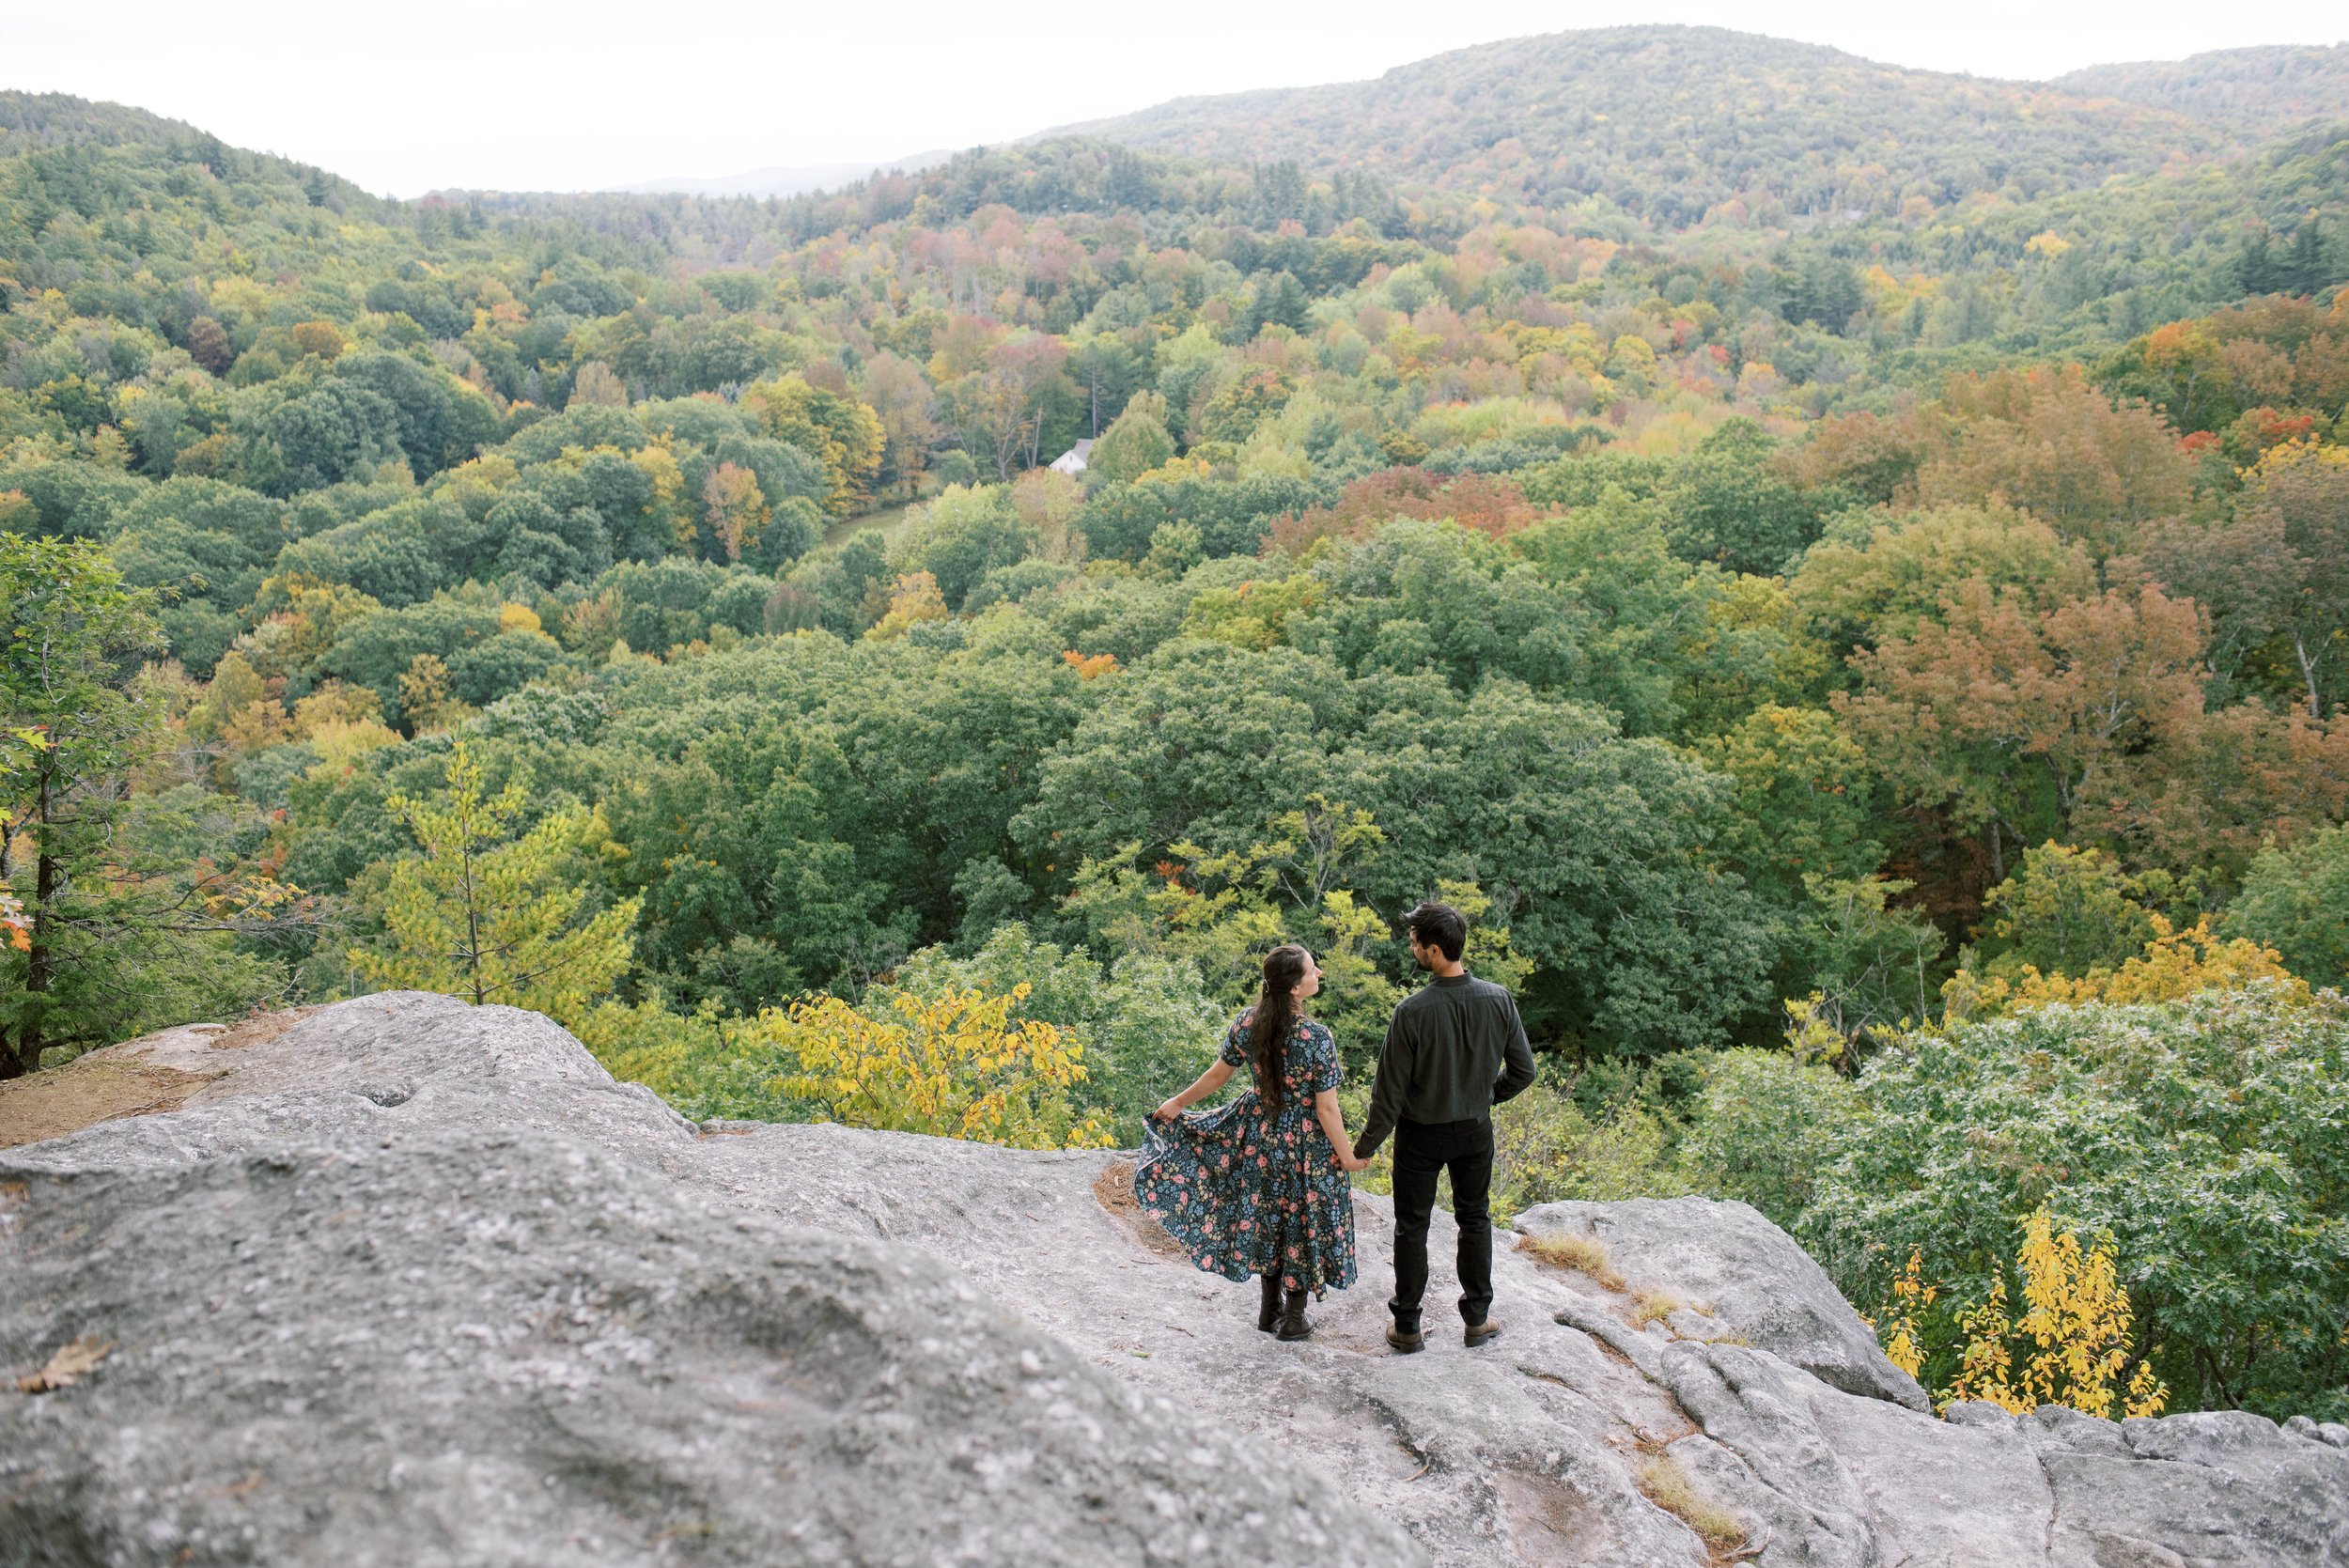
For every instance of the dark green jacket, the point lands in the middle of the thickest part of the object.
(1456, 1049)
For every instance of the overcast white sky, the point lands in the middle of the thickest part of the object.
(414, 96)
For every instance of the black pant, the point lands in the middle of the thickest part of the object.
(1423, 1152)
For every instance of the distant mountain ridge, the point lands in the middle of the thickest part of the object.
(785, 179)
(1685, 119)
(2268, 87)
(1669, 124)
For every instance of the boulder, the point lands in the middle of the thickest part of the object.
(2210, 1488)
(1745, 1273)
(407, 1281)
(415, 1308)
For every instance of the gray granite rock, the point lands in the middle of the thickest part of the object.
(434, 1301)
(1742, 1271)
(414, 1283)
(2220, 1486)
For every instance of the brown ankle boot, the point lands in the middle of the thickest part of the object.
(1294, 1325)
(1269, 1312)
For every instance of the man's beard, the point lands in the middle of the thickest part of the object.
(1424, 965)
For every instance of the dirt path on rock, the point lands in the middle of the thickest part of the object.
(137, 1078)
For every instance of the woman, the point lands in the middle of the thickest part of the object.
(1259, 1186)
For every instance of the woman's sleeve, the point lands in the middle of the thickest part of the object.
(1235, 1051)
(1326, 1071)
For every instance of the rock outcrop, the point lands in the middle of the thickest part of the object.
(1739, 1276)
(414, 1283)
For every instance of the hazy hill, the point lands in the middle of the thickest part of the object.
(1671, 122)
(2253, 88)
(29, 120)
(784, 180)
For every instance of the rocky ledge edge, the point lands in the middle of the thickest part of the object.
(403, 1281)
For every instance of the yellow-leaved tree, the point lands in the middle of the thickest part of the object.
(1901, 1326)
(954, 1067)
(485, 914)
(2175, 965)
(2072, 1340)
(915, 599)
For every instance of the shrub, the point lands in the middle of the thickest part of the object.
(1764, 1127)
(955, 1066)
(2201, 1137)
(1147, 1024)
(1545, 1148)
(2073, 1333)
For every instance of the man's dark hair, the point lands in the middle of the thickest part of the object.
(1439, 927)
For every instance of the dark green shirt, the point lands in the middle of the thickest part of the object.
(1456, 1049)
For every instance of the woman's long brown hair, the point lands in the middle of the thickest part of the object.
(1273, 1019)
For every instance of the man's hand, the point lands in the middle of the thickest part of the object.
(1349, 1161)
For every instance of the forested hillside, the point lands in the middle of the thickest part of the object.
(1682, 125)
(2270, 87)
(1839, 571)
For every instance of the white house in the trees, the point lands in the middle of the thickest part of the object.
(1073, 460)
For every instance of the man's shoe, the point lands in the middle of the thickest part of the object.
(1480, 1333)
(1269, 1309)
(1405, 1341)
(1294, 1324)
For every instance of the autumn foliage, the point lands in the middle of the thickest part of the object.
(957, 1065)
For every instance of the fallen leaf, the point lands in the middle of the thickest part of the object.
(70, 1361)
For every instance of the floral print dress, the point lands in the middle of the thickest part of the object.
(1249, 1191)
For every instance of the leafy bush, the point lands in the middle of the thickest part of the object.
(2201, 1136)
(1546, 1148)
(1764, 1127)
(2296, 901)
(1145, 1023)
(954, 1067)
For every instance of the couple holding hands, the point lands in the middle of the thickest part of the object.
(1260, 1186)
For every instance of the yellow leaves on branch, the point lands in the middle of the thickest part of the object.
(1902, 1329)
(2174, 964)
(955, 1066)
(2073, 1337)
(916, 598)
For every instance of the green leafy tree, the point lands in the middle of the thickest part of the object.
(1807, 802)
(492, 916)
(2295, 899)
(2068, 911)
(1135, 442)
(108, 931)
(962, 535)
(75, 633)
(2200, 1136)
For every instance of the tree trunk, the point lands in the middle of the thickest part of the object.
(24, 1054)
(2308, 674)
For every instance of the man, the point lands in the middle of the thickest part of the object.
(1455, 1048)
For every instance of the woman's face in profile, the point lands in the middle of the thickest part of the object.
(1310, 981)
